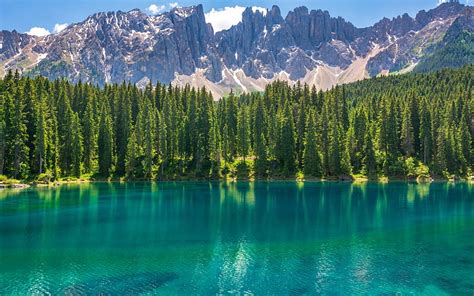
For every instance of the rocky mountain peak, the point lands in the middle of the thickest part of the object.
(179, 46)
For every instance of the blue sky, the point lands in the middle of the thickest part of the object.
(50, 15)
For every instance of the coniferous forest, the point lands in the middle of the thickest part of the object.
(397, 126)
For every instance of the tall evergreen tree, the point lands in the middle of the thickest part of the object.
(407, 136)
(243, 133)
(370, 162)
(105, 142)
(41, 138)
(131, 156)
(122, 129)
(261, 156)
(76, 141)
(18, 151)
(425, 134)
(3, 134)
(285, 147)
(148, 140)
(89, 135)
(312, 160)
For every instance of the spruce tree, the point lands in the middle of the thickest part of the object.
(285, 147)
(3, 134)
(131, 155)
(76, 145)
(41, 138)
(425, 134)
(89, 135)
(105, 142)
(370, 162)
(407, 136)
(261, 156)
(148, 140)
(243, 132)
(18, 150)
(122, 130)
(312, 160)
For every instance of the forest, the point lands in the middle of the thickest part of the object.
(400, 126)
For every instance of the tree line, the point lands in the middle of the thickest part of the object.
(405, 125)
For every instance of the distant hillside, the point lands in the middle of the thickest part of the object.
(456, 50)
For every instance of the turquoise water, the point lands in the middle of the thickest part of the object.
(247, 238)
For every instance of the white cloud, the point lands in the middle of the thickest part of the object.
(59, 27)
(173, 4)
(441, 1)
(223, 19)
(38, 31)
(155, 9)
(261, 9)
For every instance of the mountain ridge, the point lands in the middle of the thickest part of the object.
(180, 47)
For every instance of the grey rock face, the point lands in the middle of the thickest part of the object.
(12, 43)
(132, 46)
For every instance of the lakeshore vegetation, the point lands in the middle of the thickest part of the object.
(397, 126)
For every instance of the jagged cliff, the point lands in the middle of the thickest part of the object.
(180, 47)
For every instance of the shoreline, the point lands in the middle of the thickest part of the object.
(355, 180)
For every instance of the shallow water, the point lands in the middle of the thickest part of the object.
(263, 238)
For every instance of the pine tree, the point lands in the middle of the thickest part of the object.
(388, 136)
(312, 160)
(301, 127)
(65, 126)
(89, 135)
(215, 149)
(3, 134)
(243, 132)
(260, 120)
(162, 145)
(261, 156)
(464, 141)
(29, 111)
(53, 141)
(407, 137)
(370, 162)
(76, 141)
(122, 130)
(148, 140)
(105, 142)
(425, 134)
(41, 138)
(231, 122)
(131, 155)
(441, 162)
(335, 153)
(18, 150)
(285, 147)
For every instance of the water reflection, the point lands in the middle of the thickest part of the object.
(240, 237)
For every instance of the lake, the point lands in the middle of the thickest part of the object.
(259, 238)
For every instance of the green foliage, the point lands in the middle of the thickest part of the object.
(105, 143)
(408, 125)
(44, 178)
(312, 159)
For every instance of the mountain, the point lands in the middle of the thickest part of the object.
(456, 49)
(180, 47)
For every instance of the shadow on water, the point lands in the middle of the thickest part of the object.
(128, 284)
